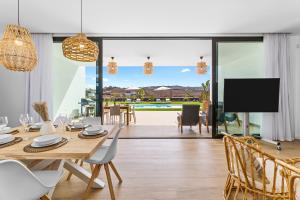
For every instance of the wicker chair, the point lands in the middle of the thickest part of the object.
(254, 174)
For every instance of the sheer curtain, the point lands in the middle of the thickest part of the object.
(38, 83)
(279, 126)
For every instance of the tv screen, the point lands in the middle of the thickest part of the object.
(251, 95)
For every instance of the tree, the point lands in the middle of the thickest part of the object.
(140, 93)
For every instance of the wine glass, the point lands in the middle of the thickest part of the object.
(3, 122)
(24, 120)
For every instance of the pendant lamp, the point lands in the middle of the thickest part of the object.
(17, 50)
(201, 66)
(148, 67)
(112, 67)
(79, 47)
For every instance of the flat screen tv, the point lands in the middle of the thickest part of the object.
(251, 95)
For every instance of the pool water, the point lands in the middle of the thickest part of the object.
(157, 106)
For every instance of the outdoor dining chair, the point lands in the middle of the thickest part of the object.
(189, 117)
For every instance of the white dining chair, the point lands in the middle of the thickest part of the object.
(104, 156)
(17, 182)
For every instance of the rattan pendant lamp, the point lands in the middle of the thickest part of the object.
(201, 66)
(79, 47)
(17, 50)
(112, 67)
(148, 67)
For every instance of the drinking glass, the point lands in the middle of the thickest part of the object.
(24, 120)
(3, 122)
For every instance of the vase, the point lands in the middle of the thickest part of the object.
(47, 128)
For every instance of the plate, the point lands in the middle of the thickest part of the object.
(6, 138)
(93, 130)
(95, 133)
(46, 139)
(5, 130)
(36, 145)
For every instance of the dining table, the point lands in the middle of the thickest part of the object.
(75, 149)
(122, 107)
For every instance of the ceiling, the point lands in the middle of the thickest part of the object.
(162, 52)
(155, 17)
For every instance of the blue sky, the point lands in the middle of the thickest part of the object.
(134, 77)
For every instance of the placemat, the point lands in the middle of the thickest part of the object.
(15, 141)
(74, 129)
(34, 129)
(82, 136)
(14, 132)
(29, 149)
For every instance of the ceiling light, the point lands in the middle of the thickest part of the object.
(148, 67)
(79, 47)
(17, 50)
(112, 67)
(201, 66)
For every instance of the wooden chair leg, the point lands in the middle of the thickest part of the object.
(206, 120)
(44, 198)
(112, 166)
(70, 173)
(200, 125)
(181, 128)
(95, 174)
(111, 189)
(92, 167)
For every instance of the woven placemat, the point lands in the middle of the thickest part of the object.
(74, 129)
(29, 149)
(15, 141)
(82, 136)
(14, 132)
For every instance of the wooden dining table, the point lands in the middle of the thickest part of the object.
(122, 107)
(75, 149)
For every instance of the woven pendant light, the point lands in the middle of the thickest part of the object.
(79, 47)
(17, 50)
(201, 66)
(148, 67)
(112, 67)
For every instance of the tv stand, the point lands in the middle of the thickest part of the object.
(246, 124)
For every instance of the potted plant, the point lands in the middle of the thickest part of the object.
(204, 96)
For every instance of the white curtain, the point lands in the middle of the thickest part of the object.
(279, 126)
(38, 83)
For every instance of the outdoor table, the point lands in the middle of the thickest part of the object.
(122, 107)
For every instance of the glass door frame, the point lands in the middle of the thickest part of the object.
(214, 85)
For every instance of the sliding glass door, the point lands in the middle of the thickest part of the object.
(235, 59)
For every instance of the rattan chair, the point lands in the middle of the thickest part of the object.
(254, 174)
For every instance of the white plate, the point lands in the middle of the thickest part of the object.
(46, 139)
(5, 138)
(95, 133)
(36, 125)
(34, 144)
(92, 130)
(5, 130)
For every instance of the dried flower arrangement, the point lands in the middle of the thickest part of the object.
(42, 109)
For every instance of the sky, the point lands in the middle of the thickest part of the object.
(162, 76)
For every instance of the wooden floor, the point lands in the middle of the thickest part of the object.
(163, 131)
(165, 169)
(160, 169)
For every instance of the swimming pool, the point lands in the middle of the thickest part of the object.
(154, 106)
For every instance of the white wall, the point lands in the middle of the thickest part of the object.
(68, 83)
(295, 63)
(12, 95)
